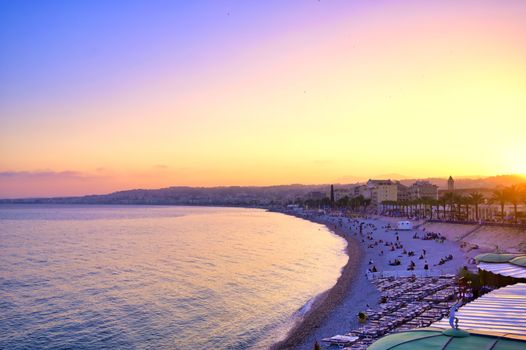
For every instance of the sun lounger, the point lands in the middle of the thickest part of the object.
(340, 339)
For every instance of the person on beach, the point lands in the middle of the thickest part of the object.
(453, 320)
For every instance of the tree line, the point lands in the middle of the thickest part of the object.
(455, 207)
(449, 207)
(358, 204)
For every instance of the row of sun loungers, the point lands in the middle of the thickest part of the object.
(410, 303)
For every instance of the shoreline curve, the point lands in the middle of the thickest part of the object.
(327, 301)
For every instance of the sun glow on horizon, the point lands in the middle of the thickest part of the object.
(106, 97)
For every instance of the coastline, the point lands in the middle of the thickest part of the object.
(326, 302)
(335, 310)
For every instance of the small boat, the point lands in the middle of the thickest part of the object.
(340, 339)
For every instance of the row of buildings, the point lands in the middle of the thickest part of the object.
(387, 190)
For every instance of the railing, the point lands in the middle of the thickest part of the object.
(483, 223)
(463, 222)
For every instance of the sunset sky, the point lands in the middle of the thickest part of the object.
(98, 96)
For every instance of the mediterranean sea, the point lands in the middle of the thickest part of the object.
(144, 277)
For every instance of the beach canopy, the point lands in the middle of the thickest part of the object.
(519, 261)
(504, 269)
(433, 338)
(509, 265)
(502, 310)
(496, 258)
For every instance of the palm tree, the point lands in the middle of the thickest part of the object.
(431, 202)
(476, 199)
(423, 202)
(513, 195)
(343, 202)
(461, 200)
(500, 197)
(357, 202)
(436, 203)
(412, 206)
(427, 203)
(442, 201)
(418, 206)
(450, 198)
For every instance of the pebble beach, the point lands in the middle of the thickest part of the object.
(374, 247)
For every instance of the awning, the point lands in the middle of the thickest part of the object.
(502, 310)
(504, 269)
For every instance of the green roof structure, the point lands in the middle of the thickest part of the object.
(451, 339)
(519, 261)
(497, 258)
(508, 265)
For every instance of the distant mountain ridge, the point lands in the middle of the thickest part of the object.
(182, 195)
(247, 195)
(482, 182)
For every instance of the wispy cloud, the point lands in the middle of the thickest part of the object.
(44, 183)
(45, 174)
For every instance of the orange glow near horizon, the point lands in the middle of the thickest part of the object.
(327, 94)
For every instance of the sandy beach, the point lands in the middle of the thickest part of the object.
(335, 311)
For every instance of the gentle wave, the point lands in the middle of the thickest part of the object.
(95, 277)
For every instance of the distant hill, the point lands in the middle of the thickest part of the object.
(249, 195)
(232, 195)
(481, 182)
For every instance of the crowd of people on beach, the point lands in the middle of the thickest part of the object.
(427, 236)
(387, 245)
(366, 231)
(445, 259)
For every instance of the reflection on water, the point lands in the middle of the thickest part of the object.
(156, 277)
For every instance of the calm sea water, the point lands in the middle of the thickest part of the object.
(147, 277)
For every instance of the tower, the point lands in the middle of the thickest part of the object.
(332, 194)
(450, 184)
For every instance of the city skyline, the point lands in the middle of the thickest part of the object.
(98, 97)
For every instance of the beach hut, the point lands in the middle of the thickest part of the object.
(438, 339)
(404, 225)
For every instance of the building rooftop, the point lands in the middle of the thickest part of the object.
(380, 182)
